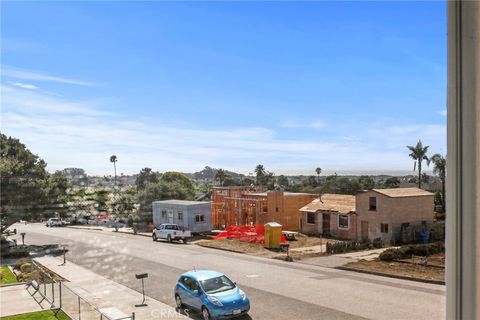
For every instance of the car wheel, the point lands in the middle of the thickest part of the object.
(178, 301)
(154, 237)
(169, 238)
(184, 240)
(206, 314)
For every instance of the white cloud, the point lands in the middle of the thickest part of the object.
(76, 133)
(24, 85)
(38, 76)
(442, 112)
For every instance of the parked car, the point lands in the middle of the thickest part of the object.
(170, 232)
(54, 222)
(212, 293)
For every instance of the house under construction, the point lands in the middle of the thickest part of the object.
(246, 206)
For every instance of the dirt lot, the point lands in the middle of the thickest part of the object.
(256, 249)
(306, 241)
(237, 246)
(413, 270)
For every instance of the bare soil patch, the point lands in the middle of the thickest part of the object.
(307, 241)
(405, 269)
(237, 246)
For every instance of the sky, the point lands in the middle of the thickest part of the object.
(177, 86)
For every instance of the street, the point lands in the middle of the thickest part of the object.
(277, 289)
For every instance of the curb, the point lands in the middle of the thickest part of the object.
(440, 282)
(13, 284)
(84, 228)
(222, 249)
(138, 234)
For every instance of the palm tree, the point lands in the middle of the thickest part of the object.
(220, 175)
(113, 159)
(419, 153)
(261, 173)
(318, 171)
(439, 168)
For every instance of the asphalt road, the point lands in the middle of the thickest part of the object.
(277, 290)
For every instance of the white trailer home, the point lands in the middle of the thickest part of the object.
(192, 215)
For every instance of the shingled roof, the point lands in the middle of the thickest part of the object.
(340, 203)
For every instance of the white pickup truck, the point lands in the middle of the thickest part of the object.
(170, 232)
(54, 222)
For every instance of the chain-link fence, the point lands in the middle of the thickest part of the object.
(47, 287)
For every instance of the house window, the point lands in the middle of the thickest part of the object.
(276, 209)
(343, 221)
(372, 204)
(310, 217)
(384, 227)
(164, 214)
(199, 218)
(180, 215)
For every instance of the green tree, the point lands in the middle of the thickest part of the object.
(145, 177)
(392, 182)
(439, 168)
(418, 154)
(366, 182)
(171, 185)
(57, 195)
(260, 174)
(282, 181)
(220, 176)
(24, 181)
(425, 178)
(125, 205)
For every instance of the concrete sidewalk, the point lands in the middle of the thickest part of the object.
(127, 230)
(103, 293)
(337, 260)
(15, 299)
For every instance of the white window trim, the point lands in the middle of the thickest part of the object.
(463, 170)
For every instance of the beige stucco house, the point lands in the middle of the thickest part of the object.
(332, 214)
(382, 213)
(372, 214)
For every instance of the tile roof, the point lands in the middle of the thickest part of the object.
(340, 203)
(403, 192)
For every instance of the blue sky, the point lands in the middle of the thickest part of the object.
(177, 86)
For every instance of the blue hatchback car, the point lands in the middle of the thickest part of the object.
(211, 293)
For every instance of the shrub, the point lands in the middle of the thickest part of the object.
(20, 262)
(406, 252)
(26, 267)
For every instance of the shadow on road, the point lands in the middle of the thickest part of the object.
(198, 316)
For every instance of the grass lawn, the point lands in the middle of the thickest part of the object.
(7, 276)
(40, 315)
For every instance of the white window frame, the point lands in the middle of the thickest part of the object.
(463, 157)
(200, 221)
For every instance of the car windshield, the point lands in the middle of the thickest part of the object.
(217, 284)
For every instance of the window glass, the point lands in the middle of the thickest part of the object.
(343, 221)
(311, 217)
(372, 203)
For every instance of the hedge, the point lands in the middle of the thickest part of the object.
(406, 252)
